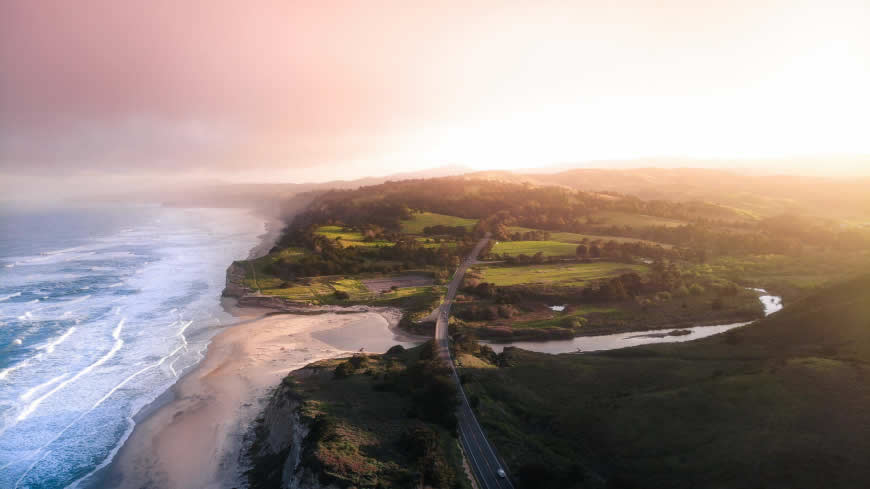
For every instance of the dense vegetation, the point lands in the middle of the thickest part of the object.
(376, 421)
(781, 403)
(616, 262)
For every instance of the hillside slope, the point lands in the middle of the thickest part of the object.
(782, 403)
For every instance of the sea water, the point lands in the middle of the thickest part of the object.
(101, 310)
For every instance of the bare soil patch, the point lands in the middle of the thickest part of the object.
(384, 284)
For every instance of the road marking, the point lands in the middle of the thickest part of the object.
(470, 436)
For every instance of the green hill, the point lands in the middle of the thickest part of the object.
(784, 403)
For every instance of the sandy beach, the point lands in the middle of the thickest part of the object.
(195, 439)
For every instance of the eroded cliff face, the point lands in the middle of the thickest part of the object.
(276, 455)
(235, 286)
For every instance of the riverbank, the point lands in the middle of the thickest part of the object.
(624, 339)
(196, 438)
(789, 391)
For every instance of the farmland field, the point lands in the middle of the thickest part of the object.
(577, 237)
(347, 238)
(422, 220)
(548, 248)
(618, 218)
(321, 290)
(573, 274)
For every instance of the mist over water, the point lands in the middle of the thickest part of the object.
(101, 309)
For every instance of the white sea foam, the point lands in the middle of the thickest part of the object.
(116, 334)
(76, 301)
(131, 377)
(33, 390)
(18, 366)
(102, 382)
(7, 297)
(49, 348)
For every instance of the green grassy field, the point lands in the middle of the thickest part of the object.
(348, 238)
(256, 271)
(577, 238)
(548, 248)
(568, 274)
(781, 403)
(790, 275)
(321, 290)
(618, 218)
(432, 244)
(422, 220)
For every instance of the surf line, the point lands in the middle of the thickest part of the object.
(96, 404)
(116, 334)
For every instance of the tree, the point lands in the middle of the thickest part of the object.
(594, 251)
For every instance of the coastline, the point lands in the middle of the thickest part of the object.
(193, 434)
(196, 438)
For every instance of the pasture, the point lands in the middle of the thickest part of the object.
(619, 218)
(565, 274)
(576, 238)
(347, 238)
(422, 220)
(547, 248)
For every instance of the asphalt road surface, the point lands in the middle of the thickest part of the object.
(481, 456)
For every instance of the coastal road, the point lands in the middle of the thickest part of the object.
(481, 456)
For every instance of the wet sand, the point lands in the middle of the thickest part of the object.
(195, 439)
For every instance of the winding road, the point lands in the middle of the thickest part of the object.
(480, 454)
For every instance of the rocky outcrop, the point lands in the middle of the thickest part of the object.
(275, 457)
(235, 285)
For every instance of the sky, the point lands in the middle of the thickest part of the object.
(311, 91)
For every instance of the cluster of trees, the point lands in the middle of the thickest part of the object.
(330, 258)
(610, 250)
(423, 445)
(429, 384)
(664, 276)
(533, 235)
(442, 230)
(475, 312)
(378, 211)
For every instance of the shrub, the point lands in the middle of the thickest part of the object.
(696, 289)
(396, 350)
(663, 296)
(344, 369)
(574, 322)
(341, 295)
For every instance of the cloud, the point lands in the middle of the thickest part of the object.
(101, 84)
(170, 85)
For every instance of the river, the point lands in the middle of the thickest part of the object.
(771, 305)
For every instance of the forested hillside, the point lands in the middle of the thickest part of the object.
(783, 403)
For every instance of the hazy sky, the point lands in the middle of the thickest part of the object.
(285, 90)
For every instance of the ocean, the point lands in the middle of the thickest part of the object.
(101, 310)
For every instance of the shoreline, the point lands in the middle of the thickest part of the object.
(102, 476)
(192, 434)
(196, 438)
